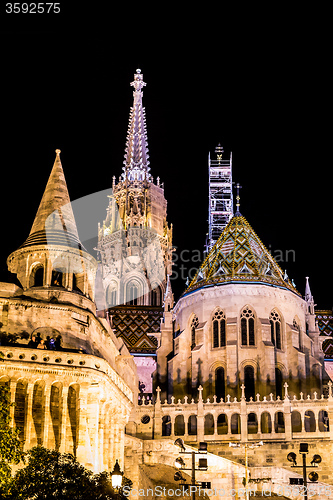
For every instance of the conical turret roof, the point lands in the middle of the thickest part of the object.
(54, 222)
(239, 256)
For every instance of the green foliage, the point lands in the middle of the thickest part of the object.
(52, 475)
(10, 446)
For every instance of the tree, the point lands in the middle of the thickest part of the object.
(53, 475)
(10, 445)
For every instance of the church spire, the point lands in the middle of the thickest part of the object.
(136, 151)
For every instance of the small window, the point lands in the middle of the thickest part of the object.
(194, 325)
(247, 327)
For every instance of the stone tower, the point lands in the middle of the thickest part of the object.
(52, 260)
(135, 241)
(75, 396)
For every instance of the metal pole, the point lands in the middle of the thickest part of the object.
(246, 474)
(305, 483)
(193, 474)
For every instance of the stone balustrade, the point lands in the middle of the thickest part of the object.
(235, 419)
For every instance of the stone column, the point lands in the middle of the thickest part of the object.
(157, 416)
(65, 422)
(29, 424)
(47, 427)
(287, 414)
(83, 451)
(12, 387)
(243, 415)
(200, 417)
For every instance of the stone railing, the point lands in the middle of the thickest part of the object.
(263, 418)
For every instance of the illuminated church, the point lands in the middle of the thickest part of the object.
(239, 357)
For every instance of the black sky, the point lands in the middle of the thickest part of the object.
(261, 92)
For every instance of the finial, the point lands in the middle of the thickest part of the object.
(238, 187)
(58, 151)
(138, 83)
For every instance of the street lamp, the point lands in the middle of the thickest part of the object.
(313, 476)
(116, 476)
(246, 446)
(179, 462)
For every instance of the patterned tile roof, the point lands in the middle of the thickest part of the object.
(239, 256)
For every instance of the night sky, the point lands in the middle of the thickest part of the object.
(261, 92)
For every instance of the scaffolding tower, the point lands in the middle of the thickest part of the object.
(220, 195)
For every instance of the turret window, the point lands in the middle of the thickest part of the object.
(218, 324)
(275, 322)
(247, 327)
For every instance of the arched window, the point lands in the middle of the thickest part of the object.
(235, 423)
(266, 423)
(323, 421)
(209, 424)
(166, 425)
(247, 326)
(296, 421)
(56, 279)
(279, 422)
(38, 278)
(275, 322)
(194, 325)
(249, 382)
(222, 424)
(218, 327)
(278, 382)
(132, 294)
(156, 297)
(179, 425)
(309, 421)
(111, 296)
(252, 423)
(219, 384)
(192, 425)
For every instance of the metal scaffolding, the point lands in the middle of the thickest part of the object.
(220, 195)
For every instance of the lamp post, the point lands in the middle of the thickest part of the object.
(246, 446)
(116, 477)
(179, 462)
(313, 476)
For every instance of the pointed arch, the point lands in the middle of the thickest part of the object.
(247, 326)
(36, 277)
(275, 320)
(112, 294)
(218, 328)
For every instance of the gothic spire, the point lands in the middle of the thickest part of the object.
(136, 151)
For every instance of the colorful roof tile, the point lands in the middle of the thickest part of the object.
(239, 256)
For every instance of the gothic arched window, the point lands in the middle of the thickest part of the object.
(247, 326)
(194, 325)
(218, 324)
(249, 382)
(275, 322)
(132, 294)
